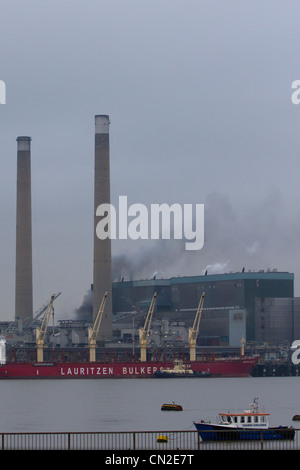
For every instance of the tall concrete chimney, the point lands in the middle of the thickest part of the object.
(23, 288)
(102, 248)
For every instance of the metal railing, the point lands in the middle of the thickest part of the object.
(137, 440)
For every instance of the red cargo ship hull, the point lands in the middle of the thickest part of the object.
(235, 367)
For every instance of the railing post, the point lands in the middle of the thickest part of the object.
(2, 440)
(133, 440)
(261, 440)
(69, 441)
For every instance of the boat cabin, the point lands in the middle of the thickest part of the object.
(247, 419)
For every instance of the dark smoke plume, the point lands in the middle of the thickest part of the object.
(260, 236)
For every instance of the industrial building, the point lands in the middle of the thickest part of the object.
(256, 306)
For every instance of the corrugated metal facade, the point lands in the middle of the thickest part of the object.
(178, 300)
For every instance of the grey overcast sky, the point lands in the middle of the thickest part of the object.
(199, 97)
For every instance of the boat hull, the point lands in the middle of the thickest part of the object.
(181, 375)
(211, 432)
(84, 370)
(171, 407)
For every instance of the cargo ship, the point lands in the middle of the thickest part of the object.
(91, 368)
(231, 367)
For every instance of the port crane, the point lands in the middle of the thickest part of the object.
(193, 332)
(94, 330)
(144, 331)
(13, 326)
(42, 330)
(39, 313)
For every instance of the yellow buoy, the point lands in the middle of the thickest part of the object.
(162, 439)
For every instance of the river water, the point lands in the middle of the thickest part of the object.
(135, 404)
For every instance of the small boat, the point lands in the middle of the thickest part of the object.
(247, 425)
(296, 418)
(180, 369)
(171, 407)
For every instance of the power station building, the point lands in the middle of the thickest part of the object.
(256, 306)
